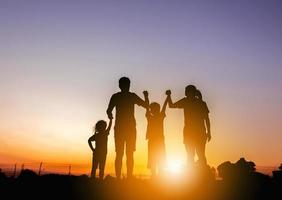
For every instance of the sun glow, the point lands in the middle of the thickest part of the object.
(174, 167)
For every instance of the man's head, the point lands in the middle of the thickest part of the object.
(190, 91)
(124, 84)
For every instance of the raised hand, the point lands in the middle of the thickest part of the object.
(146, 94)
(168, 92)
(110, 116)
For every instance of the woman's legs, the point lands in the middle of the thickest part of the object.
(190, 150)
(200, 148)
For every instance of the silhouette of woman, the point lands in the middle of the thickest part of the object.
(196, 123)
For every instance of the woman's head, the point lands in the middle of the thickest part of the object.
(190, 91)
(198, 94)
(100, 126)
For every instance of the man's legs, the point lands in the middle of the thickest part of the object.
(130, 148)
(118, 163)
(129, 163)
(119, 143)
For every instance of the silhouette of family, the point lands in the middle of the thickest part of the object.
(196, 130)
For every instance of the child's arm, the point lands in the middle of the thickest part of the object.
(90, 140)
(146, 96)
(109, 126)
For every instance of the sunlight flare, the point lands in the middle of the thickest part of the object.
(174, 167)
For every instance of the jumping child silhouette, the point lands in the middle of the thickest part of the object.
(100, 136)
(155, 136)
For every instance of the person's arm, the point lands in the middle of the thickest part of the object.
(170, 103)
(146, 97)
(111, 107)
(207, 121)
(208, 126)
(141, 102)
(164, 106)
(90, 140)
(109, 126)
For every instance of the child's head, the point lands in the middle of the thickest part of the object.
(155, 108)
(198, 95)
(100, 126)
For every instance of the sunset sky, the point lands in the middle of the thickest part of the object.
(60, 62)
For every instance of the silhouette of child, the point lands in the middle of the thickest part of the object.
(155, 136)
(101, 132)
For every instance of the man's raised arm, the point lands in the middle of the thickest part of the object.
(141, 102)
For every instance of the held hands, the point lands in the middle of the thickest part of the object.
(110, 116)
(146, 94)
(168, 92)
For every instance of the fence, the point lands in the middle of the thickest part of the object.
(42, 168)
(45, 168)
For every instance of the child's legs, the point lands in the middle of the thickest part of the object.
(152, 157)
(161, 160)
(102, 163)
(94, 165)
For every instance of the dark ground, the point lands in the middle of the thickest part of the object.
(239, 181)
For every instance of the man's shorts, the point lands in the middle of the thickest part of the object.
(125, 139)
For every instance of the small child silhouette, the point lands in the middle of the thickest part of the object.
(155, 136)
(100, 136)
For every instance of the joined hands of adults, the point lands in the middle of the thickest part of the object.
(168, 92)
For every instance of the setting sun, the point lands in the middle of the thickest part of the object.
(174, 167)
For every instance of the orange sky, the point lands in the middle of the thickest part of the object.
(55, 130)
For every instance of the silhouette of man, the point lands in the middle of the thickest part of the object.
(125, 124)
(196, 123)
